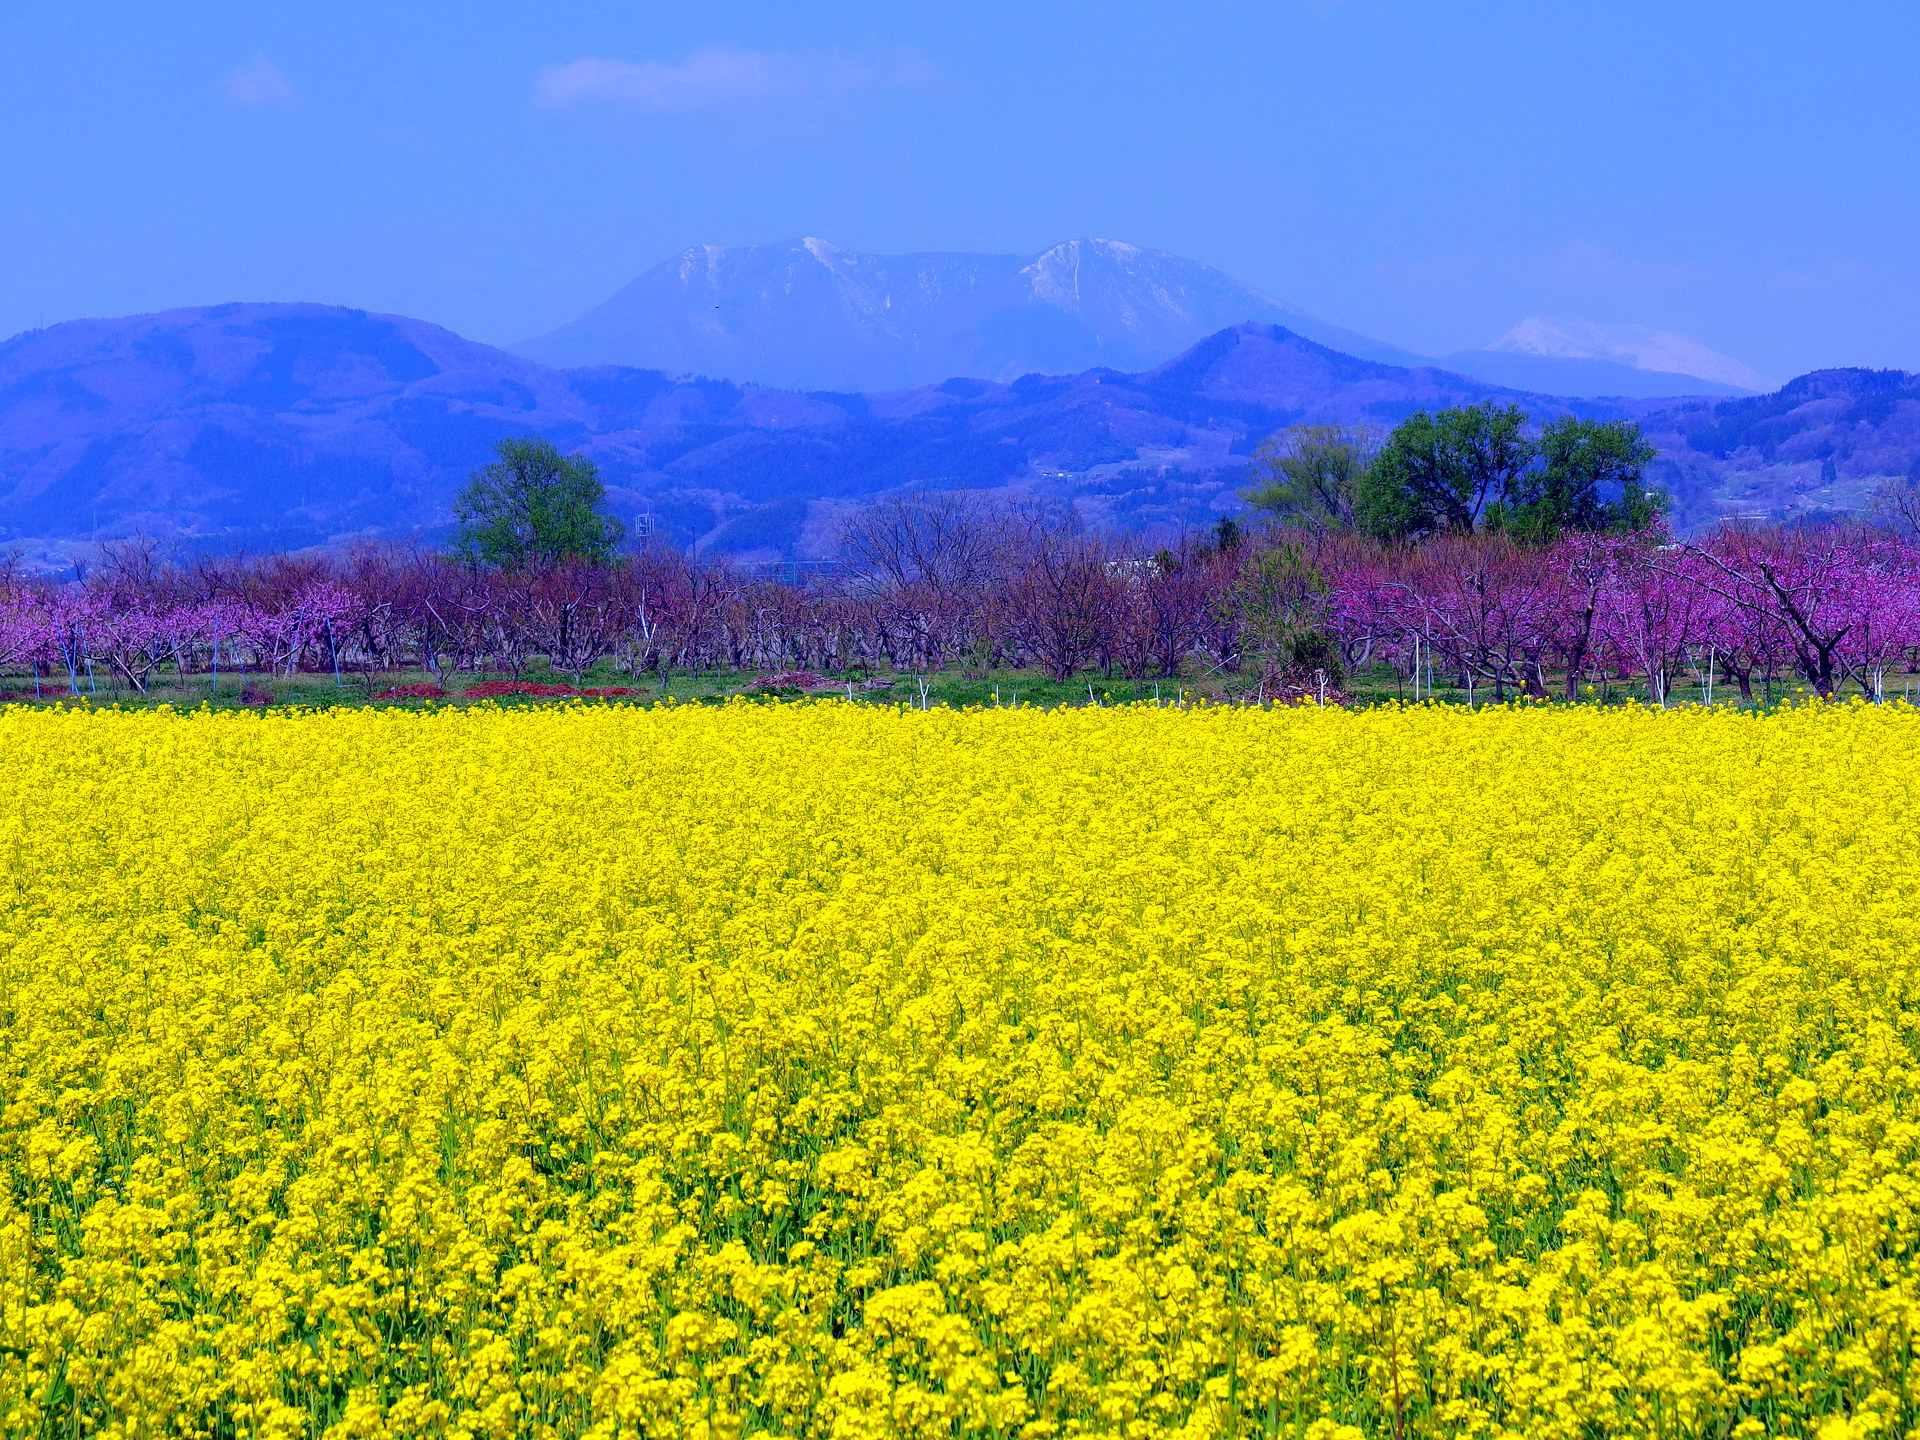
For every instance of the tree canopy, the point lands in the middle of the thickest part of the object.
(1581, 461)
(534, 506)
(1441, 472)
(1476, 469)
(1308, 476)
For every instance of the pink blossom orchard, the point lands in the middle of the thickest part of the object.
(73, 632)
(1731, 610)
(1736, 614)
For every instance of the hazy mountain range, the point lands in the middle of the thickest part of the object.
(288, 425)
(808, 315)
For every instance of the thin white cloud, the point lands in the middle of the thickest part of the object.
(258, 84)
(719, 78)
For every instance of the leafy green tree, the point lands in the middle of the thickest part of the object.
(1447, 471)
(1476, 469)
(1309, 475)
(1564, 493)
(534, 506)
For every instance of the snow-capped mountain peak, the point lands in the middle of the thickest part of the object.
(810, 315)
(1640, 346)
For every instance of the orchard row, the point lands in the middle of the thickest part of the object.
(1739, 610)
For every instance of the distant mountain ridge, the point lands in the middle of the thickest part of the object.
(1580, 375)
(310, 420)
(281, 426)
(808, 315)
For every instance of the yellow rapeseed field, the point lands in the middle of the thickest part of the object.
(818, 1069)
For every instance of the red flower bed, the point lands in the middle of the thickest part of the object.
(411, 692)
(493, 689)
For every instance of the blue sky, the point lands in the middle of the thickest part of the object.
(1428, 173)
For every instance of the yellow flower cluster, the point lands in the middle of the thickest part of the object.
(831, 1070)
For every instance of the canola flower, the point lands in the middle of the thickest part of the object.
(826, 1070)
